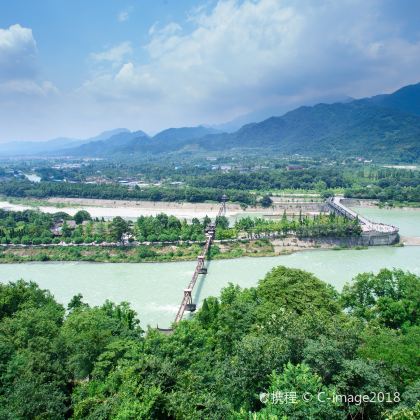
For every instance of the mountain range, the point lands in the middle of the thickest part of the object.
(383, 127)
(22, 148)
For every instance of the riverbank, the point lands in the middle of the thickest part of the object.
(155, 290)
(131, 210)
(162, 253)
(109, 209)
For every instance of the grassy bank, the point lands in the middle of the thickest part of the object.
(136, 254)
(158, 254)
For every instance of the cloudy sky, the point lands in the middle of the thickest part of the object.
(75, 67)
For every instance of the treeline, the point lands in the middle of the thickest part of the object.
(27, 227)
(164, 228)
(385, 184)
(391, 193)
(270, 351)
(306, 178)
(373, 182)
(35, 228)
(302, 226)
(119, 192)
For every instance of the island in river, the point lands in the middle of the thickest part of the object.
(154, 290)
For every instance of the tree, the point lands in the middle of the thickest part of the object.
(247, 369)
(88, 331)
(397, 349)
(76, 302)
(392, 297)
(33, 380)
(362, 377)
(65, 230)
(206, 220)
(222, 222)
(117, 228)
(266, 201)
(21, 294)
(320, 186)
(308, 397)
(296, 290)
(81, 216)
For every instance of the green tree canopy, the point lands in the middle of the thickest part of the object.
(392, 297)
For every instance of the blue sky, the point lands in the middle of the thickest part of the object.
(75, 68)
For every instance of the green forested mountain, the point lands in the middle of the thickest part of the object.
(385, 127)
(353, 129)
(140, 142)
(108, 146)
(405, 99)
(184, 133)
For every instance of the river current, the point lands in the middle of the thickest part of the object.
(155, 290)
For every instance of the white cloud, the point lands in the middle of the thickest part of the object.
(28, 87)
(123, 16)
(18, 64)
(115, 54)
(242, 56)
(17, 52)
(245, 55)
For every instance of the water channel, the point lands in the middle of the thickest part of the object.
(155, 290)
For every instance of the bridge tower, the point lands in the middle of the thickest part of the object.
(224, 199)
(190, 306)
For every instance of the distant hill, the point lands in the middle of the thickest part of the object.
(26, 148)
(406, 99)
(137, 142)
(108, 146)
(353, 129)
(275, 111)
(384, 127)
(184, 133)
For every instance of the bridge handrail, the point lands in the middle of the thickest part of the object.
(335, 202)
(200, 264)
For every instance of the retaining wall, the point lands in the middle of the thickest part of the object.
(365, 239)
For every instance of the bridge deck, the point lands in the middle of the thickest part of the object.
(201, 260)
(366, 224)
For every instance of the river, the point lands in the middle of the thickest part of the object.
(155, 290)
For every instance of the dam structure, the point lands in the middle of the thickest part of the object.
(373, 233)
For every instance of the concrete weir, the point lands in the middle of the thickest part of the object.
(373, 233)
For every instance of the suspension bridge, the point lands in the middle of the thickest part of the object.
(200, 269)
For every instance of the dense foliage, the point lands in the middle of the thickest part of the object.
(246, 182)
(302, 226)
(292, 333)
(118, 192)
(169, 228)
(26, 227)
(32, 227)
(35, 228)
(309, 178)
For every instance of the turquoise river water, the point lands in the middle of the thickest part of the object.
(155, 290)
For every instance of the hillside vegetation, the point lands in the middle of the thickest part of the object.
(384, 128)
(291, 333)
